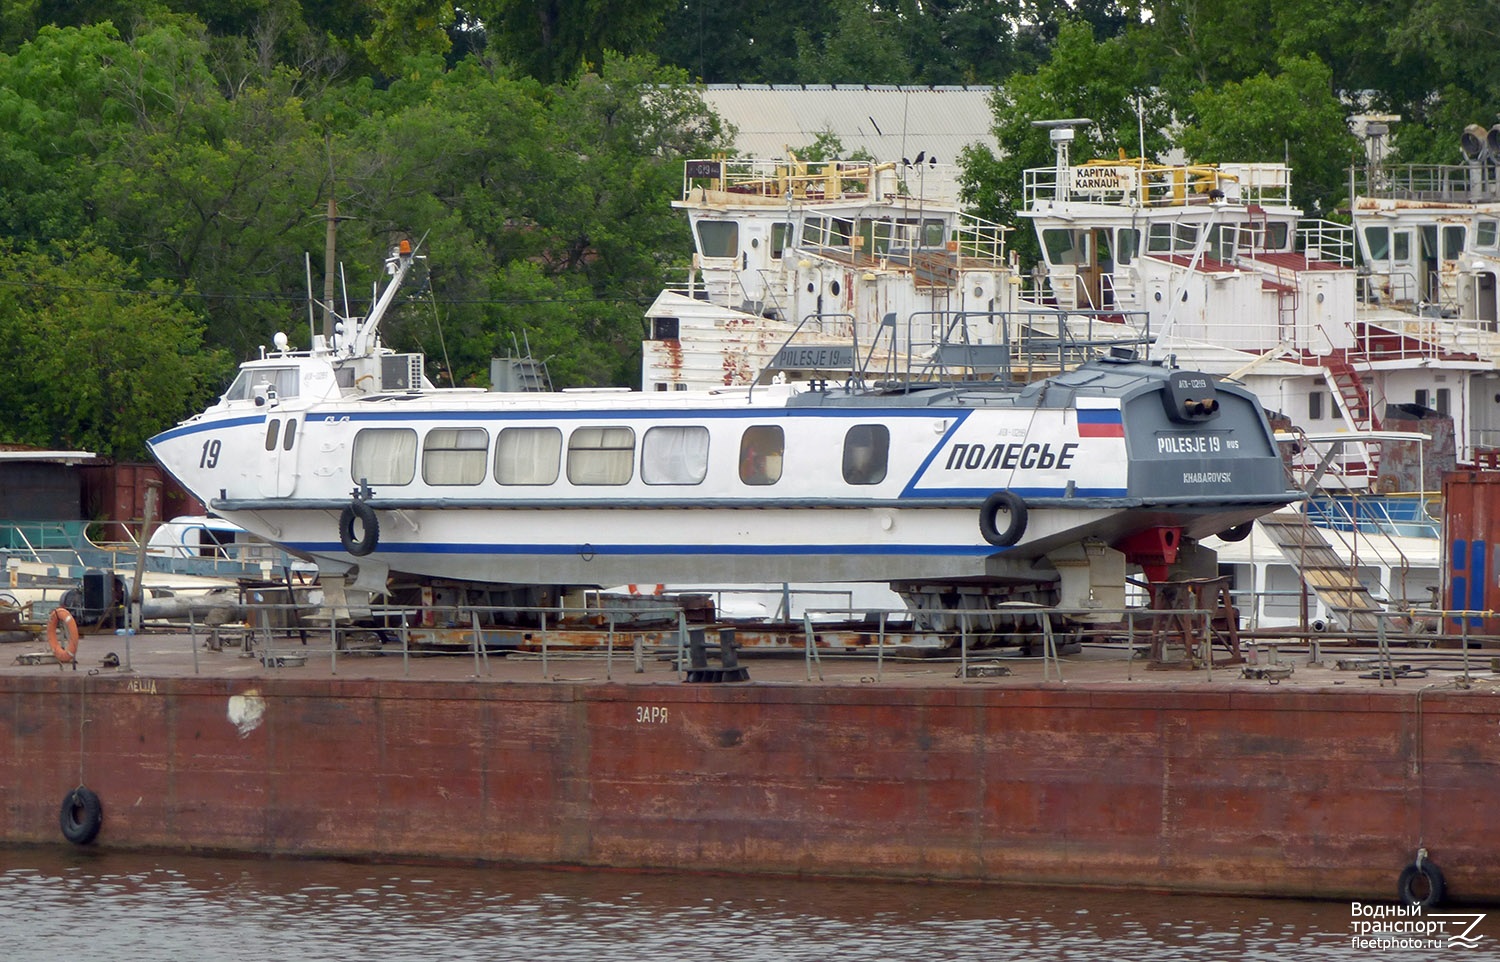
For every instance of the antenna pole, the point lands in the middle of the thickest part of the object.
(330, 249)
(312, 329)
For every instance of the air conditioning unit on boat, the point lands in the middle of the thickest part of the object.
(401, 372)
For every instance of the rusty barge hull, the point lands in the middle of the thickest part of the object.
(1265, 792)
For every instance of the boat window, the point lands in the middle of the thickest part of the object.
(1102, 250)
(385, 456)
(527, 455)
(455, 455)
(934, 234)
(1402, 245)
(280, 381)
(1484, 233)
(761, 449)
(665, 328)
(1159, 239)
(1453, 241)
(1378, 242)
(1061, 247)
(1221, 243)
(812, 232)
(866, 450)
(1127, 245)
(1315, 406)
(718, 238)
(1276, 235)
(273, 427)
(674, 455)
(840, 230)
(601, 455)
(780, 236)
(291, 434)
(1184, 238)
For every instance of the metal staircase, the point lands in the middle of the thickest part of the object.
(1306, 548)
(1353, 396)
(1354, 402)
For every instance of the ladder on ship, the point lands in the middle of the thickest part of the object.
(1306, 549)
(1355, 402)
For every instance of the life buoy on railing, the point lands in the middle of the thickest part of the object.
(368, 536)
(65, 651)
(1002, 506)
(657, 593)
(81, 816)
(1421, 884)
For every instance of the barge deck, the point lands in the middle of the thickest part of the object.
(1324, 783)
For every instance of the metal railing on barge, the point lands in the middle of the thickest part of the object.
(282, 636)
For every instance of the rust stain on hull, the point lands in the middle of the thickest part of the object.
(1318, 794)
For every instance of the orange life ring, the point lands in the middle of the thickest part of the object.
(636, 590)
(64, 617)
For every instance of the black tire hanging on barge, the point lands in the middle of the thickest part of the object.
(81, 816)
(369, 535)
(1014, 518)
(1421, 884)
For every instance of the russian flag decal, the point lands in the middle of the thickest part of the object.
(1099, 417)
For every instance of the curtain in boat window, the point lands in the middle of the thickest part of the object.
(866, 449)
(385, 456)
(601, 455)
(527, 455)
(674, 455)
(455, 455)
(761, 450)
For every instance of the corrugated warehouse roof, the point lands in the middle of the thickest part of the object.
(888, 122)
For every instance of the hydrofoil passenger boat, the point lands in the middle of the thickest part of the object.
(939, 482)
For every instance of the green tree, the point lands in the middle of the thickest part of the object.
(1085, 78)
(97, 359)
(554, 40)
(862, 47)
(1293, 115)
(750, 42)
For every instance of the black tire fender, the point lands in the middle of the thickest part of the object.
(1421, 884)
(1007, 507)
(369, 535)
(1237, 533)
(81, 816)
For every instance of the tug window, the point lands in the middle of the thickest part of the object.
(527, 455)
(761, 451)
(866, 451)
(674, 455)
(719, 238)
(455, 455)
(780, 233)
(273, 426)
(601, 455)
(385, 456)
(1486, 234)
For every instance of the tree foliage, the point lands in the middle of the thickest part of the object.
(169, 164)
(97, 358)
